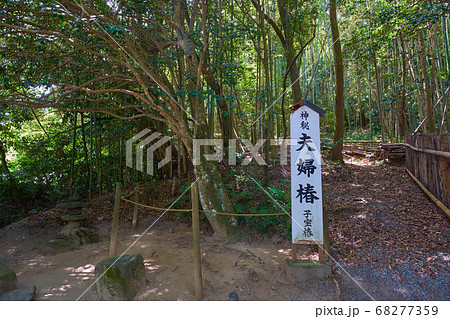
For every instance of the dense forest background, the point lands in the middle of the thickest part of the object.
(79, 78)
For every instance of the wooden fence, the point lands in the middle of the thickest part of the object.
(428, 159)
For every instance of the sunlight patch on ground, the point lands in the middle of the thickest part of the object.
(37, 262)
(85, 272)
(362, 216)
(148, 263)
(285, 252)
(360, 162)
(401, 290)
(85, 269)
(360, 200)
(64, 288)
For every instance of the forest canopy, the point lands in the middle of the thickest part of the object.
(78, 78)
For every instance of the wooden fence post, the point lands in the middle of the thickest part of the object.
(115, 222)
(321, 254)
(294, 253)
(198, 286)
(445, 169)
(135, 208)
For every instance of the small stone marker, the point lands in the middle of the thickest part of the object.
(8, 280)
(23, 294)
(123, 280)
(73, 232)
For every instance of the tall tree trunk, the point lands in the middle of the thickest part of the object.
(426, 84)
(11, 180)
(265, 121)
(292, 59)
(91, 164)
(3, 159)
(214, 198)
(336, 153)
(294, 73)
(98, 154)
(223, 109)
(74, 139)
(83, 134)
(380, 109)
(434, 68)
(403, 127)
(396, 94)
(212, 192)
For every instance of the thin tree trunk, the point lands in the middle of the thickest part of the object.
(426, 84)
(403, 127)
(380, 109)
(265, 129)
(74, 138)
(91, 164)
(213, 194)
(434, 68)
(83, 134)
(336, 153)
(98, 154)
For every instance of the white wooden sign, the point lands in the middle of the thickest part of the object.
(306, 179)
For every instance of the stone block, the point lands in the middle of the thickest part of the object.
(120, 278)
(23, 294)
(8, 280)
(304, 270)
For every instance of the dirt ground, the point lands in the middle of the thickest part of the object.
(389, 242)
(255, 271)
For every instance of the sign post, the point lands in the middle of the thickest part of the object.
(306, 179)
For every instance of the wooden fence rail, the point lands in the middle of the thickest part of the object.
(428, 159)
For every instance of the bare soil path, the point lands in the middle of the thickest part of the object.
(386, 233)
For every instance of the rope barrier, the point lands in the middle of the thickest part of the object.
(124, 198)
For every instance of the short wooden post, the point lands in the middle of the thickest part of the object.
(115, 222)
(326, 228)
(294, 253)
(135, 208)
(196, 244)
(321, 253)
